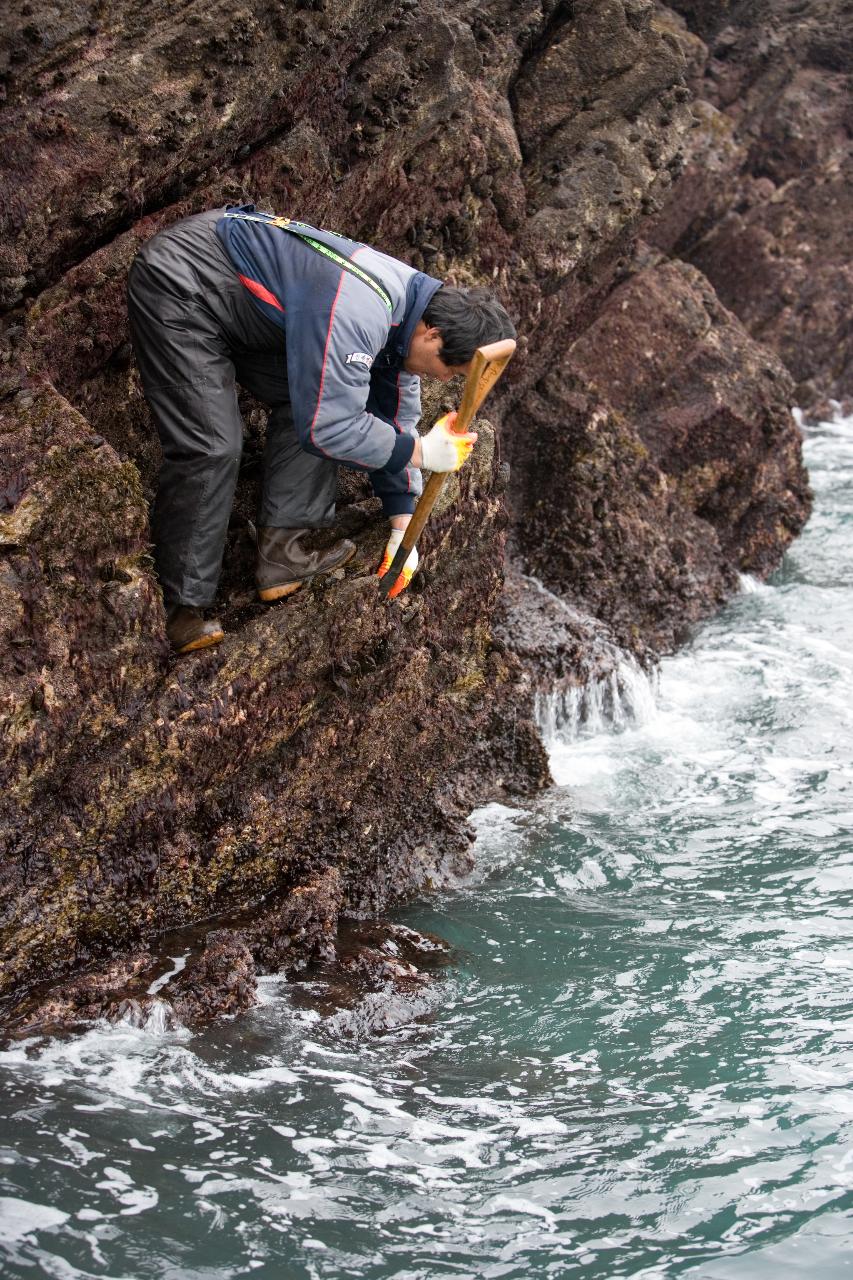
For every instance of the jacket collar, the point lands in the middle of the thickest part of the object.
(419, 292)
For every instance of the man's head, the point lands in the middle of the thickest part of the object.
(455, 323)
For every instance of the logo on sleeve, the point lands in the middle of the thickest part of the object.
(359, 357)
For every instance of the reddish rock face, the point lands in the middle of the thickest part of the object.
(323, 759)
(765, 204)
(659, 460)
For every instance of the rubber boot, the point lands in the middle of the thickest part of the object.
(285, 561)
(188, 629)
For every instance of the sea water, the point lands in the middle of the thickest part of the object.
(639, 1064)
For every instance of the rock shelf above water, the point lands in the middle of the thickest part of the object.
(590, 162)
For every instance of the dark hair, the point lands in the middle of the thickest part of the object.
(466, 319)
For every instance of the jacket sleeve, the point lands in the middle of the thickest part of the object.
(396, 396)
(407, 418)
(330, 351)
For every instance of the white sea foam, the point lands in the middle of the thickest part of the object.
(501, 838)
(21, 1218)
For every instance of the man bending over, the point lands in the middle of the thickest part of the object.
(333, 336)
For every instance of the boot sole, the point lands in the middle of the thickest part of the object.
(278, 593)
(288, 588)
(203, 642)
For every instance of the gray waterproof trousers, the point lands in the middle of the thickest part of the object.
(196, 334)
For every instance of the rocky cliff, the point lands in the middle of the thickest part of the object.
(765, 202)
(320, 764)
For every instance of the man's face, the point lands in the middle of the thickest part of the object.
(423, 357)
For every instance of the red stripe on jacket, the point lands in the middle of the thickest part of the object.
(344, 274)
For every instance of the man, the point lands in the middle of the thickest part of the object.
(333, 336)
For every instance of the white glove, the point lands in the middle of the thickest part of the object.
(408, 570)
(441, 450)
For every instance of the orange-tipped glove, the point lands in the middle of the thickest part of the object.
(441, 450)
(408, 568)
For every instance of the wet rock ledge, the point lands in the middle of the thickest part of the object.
(254, 807)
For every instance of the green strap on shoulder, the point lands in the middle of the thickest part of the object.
(288, 224)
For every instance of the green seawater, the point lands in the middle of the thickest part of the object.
(641, 1063)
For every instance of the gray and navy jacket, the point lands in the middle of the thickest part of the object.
(345, 341)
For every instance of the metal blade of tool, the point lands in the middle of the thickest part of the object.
(487, 366)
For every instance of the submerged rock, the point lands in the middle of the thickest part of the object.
(321, 762)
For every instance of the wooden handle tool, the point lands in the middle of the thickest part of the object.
(487, 366)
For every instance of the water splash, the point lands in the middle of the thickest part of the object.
(750, 585)
(160, 1019)
(622, 698)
